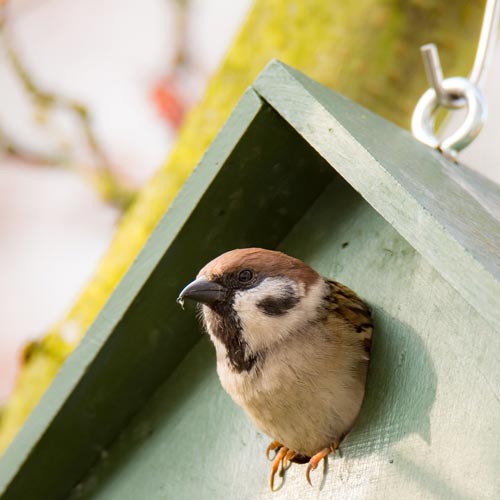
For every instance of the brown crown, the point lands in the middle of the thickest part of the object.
(266, 262)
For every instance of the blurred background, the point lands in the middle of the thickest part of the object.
(92, 95)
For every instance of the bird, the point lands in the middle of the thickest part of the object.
(292, 349)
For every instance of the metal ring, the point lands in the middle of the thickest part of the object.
(423, 119)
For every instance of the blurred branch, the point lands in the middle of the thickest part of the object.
(10, 148)
(49, 101)
(101, 180)
(181, 55)
(104, 180)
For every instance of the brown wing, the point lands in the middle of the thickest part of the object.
(346, 303)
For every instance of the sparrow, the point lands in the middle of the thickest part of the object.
(292, 349)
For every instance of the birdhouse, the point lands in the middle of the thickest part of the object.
(137, 411)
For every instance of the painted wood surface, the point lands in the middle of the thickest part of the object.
(429, 427)
(417, 245)
(244, 192)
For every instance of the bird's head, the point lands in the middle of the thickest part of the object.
(253, 299)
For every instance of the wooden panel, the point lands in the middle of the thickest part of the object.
(414, 188)
(429, 428)
(244, 192)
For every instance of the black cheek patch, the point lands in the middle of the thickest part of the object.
(277, 306)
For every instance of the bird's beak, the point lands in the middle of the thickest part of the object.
(203, 291)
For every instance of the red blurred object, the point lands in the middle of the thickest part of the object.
(169, 102)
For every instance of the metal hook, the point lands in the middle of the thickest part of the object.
(456, 93)
(486, 44)
(423, 119)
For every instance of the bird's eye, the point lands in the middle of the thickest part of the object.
(245, 276)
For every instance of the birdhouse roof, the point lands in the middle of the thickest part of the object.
(446, 211)
(267, 166)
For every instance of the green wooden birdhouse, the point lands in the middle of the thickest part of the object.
(137, 411)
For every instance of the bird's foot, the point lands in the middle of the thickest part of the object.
(283, 456)
(279, 459)
(318, 457)
(274, 446)
(288, 459)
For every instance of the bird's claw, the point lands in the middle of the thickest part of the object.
(316, 459)
(287, 459)
(274, 446)
(284, 457)
(310, 467)
(283, 451)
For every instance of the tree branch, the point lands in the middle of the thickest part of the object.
(104, 180)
